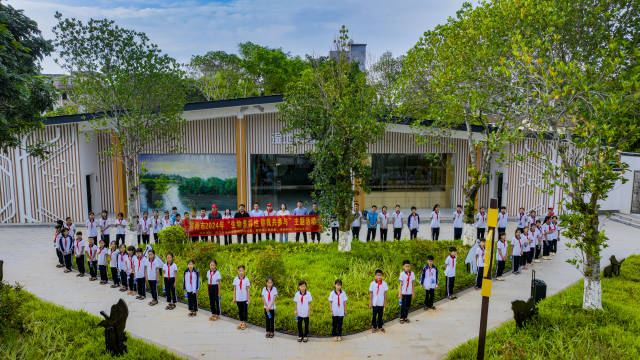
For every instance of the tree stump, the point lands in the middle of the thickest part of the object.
(114, 336)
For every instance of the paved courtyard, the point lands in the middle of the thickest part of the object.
(30, 260)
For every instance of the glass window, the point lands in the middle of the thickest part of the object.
(415, 172)
(280, 179)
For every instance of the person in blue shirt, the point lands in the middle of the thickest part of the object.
(372, 223)
(300, 211)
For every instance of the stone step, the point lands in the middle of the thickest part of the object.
(626, 219)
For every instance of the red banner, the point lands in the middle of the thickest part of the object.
(249, 225)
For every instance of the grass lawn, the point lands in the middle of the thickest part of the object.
(319, 266)
(563, 330)
(34, 329)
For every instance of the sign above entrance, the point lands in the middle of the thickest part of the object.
(281, 139)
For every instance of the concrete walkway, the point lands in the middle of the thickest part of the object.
(30, 260)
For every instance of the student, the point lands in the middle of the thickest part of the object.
(501, 255)
(227, 238)
(140, 274)
(338, 306)
(537, 228)
(377, 301)
(113, 264)
(78, 250)
(174, 214)
(156, 226)
(532, 245)
(256, 213)
(481, 223)
(191, 285)
(407, 291)
(56, 244)
(166, 220)
(105, 227)
(91, 252)
(413, 223)
(522, 220)
(531, 219)
(241, 296)
(398, 222)
(335, 228)
(242, 238)
(480, 263)
(123, 260)
(435, 223)
(283, 237)
(92, 227)
(429, 281)
(144, 226)
(215, 215)
(121, 228)
(383, 219)
(524, 253)
(131, 275)
(269, 293)
(372, 223)
(314, 211)
(170, 270)
(546, 239)
(102, 263)
(299, 210)
(502, 220)
(554, 235)
(136, 220)
(457, 223)
(70, 226)
(65, 245)
(202, 215)
(213, 289)
(450, 272)
(516, 251)
(302, 299)
(357, 221)
(185, 222)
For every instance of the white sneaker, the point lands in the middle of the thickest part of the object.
(537, 261)
(500, 278)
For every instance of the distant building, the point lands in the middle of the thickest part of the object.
(355, 53)
(63, 84)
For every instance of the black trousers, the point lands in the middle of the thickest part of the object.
(93, 268)
(529, 256)
(153, 289)
(302, 333)
(545, 248)
(103, 272)
(537, 254)
(139, 237)
(554, 246)
(80, 264)
(214, 303)
(502, 230)
(334, 234)
(270, 320)
(376, 317)
(500, 269)
(371, 233)
(355, 231)
(479, 277)
(192, 300)
(156, 238)
(242, 310)
(314, 236)
(118, 238)
(435, 233)
(406, 305)
(457, 233)
(170, 290)
(132, 283)
(141, 286)
(450, 283)
(480, 233)
(60, 257)
(105, 238)
(68, 261)
(115, 276)
(413, 234)
(253, 237)
(383, 234)
(267, 235)
(227, 239)
(145, 238)
(336, 325)
(204, 238)
(123, 278)
(304, 235)
(516, 263)
(242, 239)
(397, 232)
(428, 297)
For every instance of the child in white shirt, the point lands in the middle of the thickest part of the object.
(457, 223)
(121, 229)
(407, 291)
(503, 217)
(152, 265)
(170, 270)
(241, 296)
(555, 234)
(450, 271)
(516, 251)
(302, 299)
(92, 226)
(481, 223)
(102, 262)
(91, 251)
(191, 285)
(480, 263)
(338, 306)
(156, 225)
(522, 219)
(105, 226)
(413, 223)
(524, 256)
(144, 227)
(66, 246)
(78, 250)
(501, 255)
(140, 274)
(435, 223)
(429, 281)
(378, 301)
(213, 288)
(269, 293)
(113, 264)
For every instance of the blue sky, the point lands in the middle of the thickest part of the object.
(185, 28)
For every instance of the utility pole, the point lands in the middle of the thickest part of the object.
(492, 223)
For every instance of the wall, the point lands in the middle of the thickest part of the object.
(90, 165)
(621, 196)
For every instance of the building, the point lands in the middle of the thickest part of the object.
(235, 152)
(354, 53)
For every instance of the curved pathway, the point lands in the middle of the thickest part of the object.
(29, 260)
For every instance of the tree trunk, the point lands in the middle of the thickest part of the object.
(344, 241)
(592, 297)
(469, 230)
(133, 191)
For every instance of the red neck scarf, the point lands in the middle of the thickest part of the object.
(241, 278)
(379, 283)
(55, 237)
(269, 294)
(408, 279)
(211, 273)
(91, 223)
(338, 296)
(190, 278)
(169, 270)
(91, 252)
(437, 215)
(302, 297)
(139, 260)
(453, 264)
(100, 251)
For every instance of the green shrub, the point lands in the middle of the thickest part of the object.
(269, 263)
(11, 311)
(563, 330)
(173, 237)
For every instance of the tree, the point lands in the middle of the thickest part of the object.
(24, 94)
(220, 76)
(450, 83)
(385, 76)
(136, 93)
(333, 106)
(576, 66)
(272, 69)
